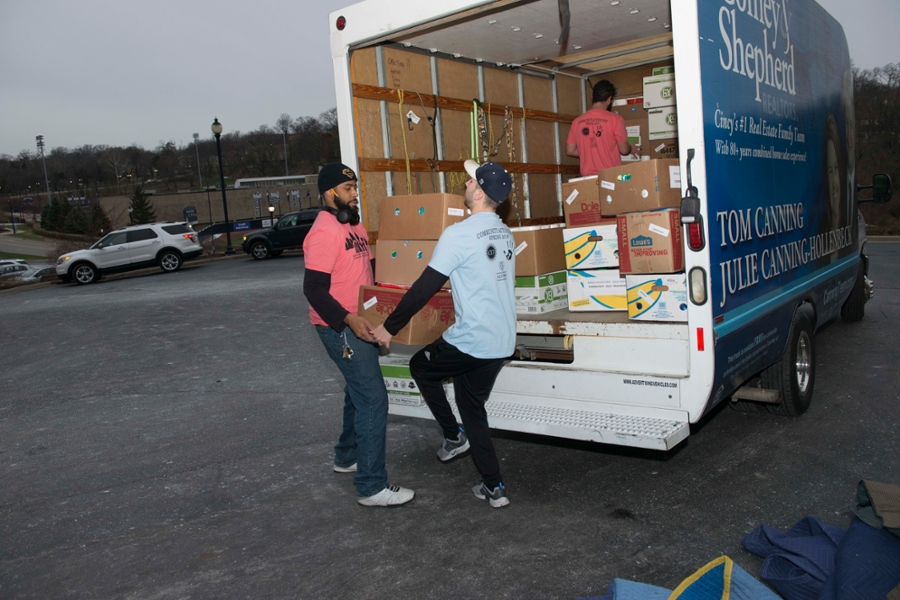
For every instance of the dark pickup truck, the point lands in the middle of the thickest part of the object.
(287, 233)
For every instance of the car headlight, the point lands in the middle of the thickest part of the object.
(62, 259)
(245, 238)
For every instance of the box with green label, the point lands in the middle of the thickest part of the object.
(539, 294)
(401, 387)
(659, 90)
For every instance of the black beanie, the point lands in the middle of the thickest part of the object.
(334, 174)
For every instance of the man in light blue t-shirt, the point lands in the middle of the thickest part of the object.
(478, 256)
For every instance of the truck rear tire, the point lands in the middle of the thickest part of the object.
(854, 309)
(794, 375)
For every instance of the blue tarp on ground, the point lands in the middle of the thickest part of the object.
(815, 561)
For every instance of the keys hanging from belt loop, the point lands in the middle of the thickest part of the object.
(348, 351)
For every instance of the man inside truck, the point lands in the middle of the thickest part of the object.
(598, 136)
(478, 256)
(339, 261)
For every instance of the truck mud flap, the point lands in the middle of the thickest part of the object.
(605, 428)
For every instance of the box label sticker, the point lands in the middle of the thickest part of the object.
(521, 247)
(674, 177)
(456, 212)
(413, 117)
(607, 185)
(659, 230)
(572, 197)
(644, 295)
(660, 147)
(370, 302)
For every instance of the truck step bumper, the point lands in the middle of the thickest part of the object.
(603, 427)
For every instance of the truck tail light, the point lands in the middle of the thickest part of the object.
(340, 23)
(695, 235)
(697, 284)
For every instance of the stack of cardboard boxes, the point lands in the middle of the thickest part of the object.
(540, 269)
(624, 241)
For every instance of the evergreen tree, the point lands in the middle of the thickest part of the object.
(50, 216)
(76, 221)
(141, 209)
(64, 209)
(99, 220)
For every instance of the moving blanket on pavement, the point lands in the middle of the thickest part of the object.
(720, 579)
(815, 561)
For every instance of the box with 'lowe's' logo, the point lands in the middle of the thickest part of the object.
(651, 242)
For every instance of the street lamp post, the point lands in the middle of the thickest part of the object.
(197, 148)
(40, 145)
(284, 141)
(212, 235)
(272, 215)
(217, 131)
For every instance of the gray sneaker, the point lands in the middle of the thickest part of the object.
(497, 496)
(350, 469)
(453, 449)
(392, 495)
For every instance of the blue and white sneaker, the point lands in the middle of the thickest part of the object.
(497, 496)
(453, 449)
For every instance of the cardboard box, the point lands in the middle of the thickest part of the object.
(657, 297)
(401, 387)
(401, 262)
(662, 149)
(651, 242)
(662, 123)
(645, 185)
(539, 249)
(419, 217)
(593, 247)
(541, 293)
(659, 90)
(581, 201)
(599, 290)
(377, 303)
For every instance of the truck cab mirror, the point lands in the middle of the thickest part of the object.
(882, 189)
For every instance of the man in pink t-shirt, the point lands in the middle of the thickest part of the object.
(598, 136)
(338, 261)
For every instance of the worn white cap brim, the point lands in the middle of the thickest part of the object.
(471, 166)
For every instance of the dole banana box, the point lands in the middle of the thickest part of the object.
(541, 294)
(581, 201)
(657, 297)
(401, 387)
(651, 242)
(596, 291)
(377, 303)
(591, 247)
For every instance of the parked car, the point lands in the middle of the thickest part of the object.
(13, 261)
(13, 270)
(35, 274)
(166, 245)
(287, 234)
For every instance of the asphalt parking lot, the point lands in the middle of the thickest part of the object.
(170, 436)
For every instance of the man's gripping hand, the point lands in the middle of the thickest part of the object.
(382, 336)
(360, 327)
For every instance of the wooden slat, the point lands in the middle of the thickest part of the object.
(371, 92)
(447, 166)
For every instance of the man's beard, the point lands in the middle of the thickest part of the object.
(341, 205)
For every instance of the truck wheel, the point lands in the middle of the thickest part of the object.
(854, 309)
(745, 406)
(795, 373)
(259, 251)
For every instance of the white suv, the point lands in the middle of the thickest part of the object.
(166, 245)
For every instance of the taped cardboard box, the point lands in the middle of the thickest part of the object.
(599, 290)
(581, 201)
(377, 303)
(651, 242)
(419, 217)
(663, 149)
(645, 185)
(657, 297)
(401, 387)
(401, 262)
(539, 249)
(541, 294)
(593, 247)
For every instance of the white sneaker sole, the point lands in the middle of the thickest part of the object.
(454, 454)
(350, 469)
(387, 498)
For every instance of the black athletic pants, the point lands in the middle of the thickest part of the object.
(473, 380)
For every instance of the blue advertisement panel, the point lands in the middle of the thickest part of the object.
(779, 134)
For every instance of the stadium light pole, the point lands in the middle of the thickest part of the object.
(217, 131)
(197, 148)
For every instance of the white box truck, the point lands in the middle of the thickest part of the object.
(774, 245)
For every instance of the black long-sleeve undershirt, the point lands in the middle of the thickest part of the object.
(426, 286)
(317, 289)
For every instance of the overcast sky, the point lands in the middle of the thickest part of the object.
(118, 72)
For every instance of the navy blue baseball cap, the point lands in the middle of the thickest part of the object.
(493, 179)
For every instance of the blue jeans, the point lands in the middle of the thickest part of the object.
(362, 439)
